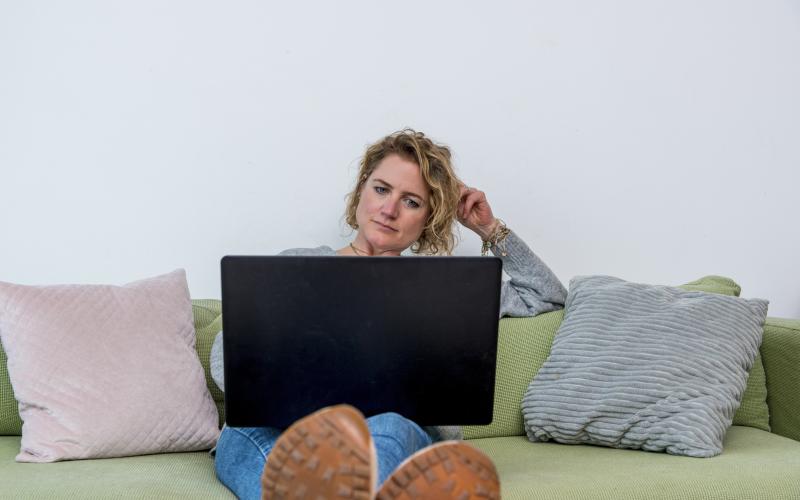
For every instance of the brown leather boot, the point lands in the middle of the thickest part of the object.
(328, 454)
(450, 469)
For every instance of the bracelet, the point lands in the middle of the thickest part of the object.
(497, 239)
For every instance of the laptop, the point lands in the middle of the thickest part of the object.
(411, 335)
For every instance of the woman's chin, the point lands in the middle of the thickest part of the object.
(382, 244)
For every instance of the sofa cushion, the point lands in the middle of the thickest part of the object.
(10, 423)
(646, 367)
(755, 464)
(106, 371)
(524, 344)
(754, 411)
(207, 322)
(781, 350)
(522, 347)
(167, 475)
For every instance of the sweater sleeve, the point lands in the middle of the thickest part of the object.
(215, 361)
(533, 287)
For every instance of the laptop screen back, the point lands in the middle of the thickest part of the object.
(412, 335)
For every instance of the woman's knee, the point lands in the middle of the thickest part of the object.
(397, 427)
(390, 422)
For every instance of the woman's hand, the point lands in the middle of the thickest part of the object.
(475, 213)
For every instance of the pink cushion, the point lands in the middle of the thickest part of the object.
(106, 371)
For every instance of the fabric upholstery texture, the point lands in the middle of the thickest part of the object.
(208, 322)
(781, 352)
(754, 411)
(162, 476)
(755, 464)
(714, 284)
(10, 423)
(645, 367)
(524, 344)
(106, 371)
(522, 347)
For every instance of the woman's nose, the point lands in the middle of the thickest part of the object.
(390, 208)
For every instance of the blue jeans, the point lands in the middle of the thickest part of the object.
(242, 451)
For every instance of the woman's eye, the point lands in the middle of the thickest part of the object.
(380, 189)
(411, 203)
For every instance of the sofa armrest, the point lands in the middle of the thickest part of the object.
(780, 352)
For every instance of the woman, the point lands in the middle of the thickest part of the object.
(407, 196)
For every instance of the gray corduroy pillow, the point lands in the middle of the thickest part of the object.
(644, 367)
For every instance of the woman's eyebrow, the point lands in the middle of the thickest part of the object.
(404, 192)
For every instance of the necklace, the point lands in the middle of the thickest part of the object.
(358, 251)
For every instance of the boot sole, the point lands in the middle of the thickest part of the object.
(328, 454)
(446, 470)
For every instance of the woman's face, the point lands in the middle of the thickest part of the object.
(393, 207)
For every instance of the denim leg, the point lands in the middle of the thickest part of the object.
(396, 438)
(240, 457)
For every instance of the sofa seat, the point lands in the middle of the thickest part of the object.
(168, 475)
(753, 464)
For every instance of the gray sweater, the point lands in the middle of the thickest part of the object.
(532, 289)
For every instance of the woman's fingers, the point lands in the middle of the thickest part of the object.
(474, 210)
(464, 192)
(475, 197)
(472, 200)
(469, 201)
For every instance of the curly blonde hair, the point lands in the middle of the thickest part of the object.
(437, 171)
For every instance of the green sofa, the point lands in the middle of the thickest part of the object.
(755, 463)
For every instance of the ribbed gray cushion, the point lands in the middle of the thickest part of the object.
(645, 367)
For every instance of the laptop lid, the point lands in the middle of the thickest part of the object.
(411, 335)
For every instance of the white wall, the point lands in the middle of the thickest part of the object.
(655, 141)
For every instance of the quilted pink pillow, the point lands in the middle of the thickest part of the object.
(106, 371)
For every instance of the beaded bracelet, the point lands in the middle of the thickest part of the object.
(497, 239)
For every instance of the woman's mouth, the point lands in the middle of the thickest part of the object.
(385, 227)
